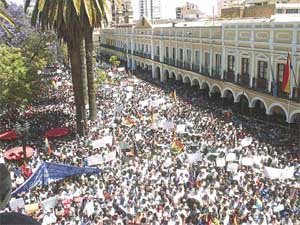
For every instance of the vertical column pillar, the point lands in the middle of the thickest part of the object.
(223, 55)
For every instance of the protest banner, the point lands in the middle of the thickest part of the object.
(232, 167)
(180, 128)
(194, 158)
(220, 162)
(247, 161)
(138, 136)
(231, 157)
(16, 204)
(49, 203)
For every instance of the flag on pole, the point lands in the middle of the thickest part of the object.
(235, 219)
(212, 119)
(177, 146)
(275, 86)
(47, 146)
(287, 76)
(129, 121)
(173, 94)
(152, 114)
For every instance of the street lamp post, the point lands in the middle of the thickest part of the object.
(22, 131)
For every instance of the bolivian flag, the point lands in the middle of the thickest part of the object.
(47, 146)
(287, 76)
(177, 146)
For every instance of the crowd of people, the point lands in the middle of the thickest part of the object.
(159, 174)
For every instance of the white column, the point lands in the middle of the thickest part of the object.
(184, 47)
(223, 54)
(236, 65)
(252, 70)
(293, 60)
(152, 47)
(153, 71)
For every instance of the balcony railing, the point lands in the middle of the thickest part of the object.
(147, 55)
(205, 70)
(166, 60)
(172, 62)
(244, 79)
(179, 64)
(229, 76)
(187, 65)
(196, 68)
(261, 84)
(216, 73)
(156, 58)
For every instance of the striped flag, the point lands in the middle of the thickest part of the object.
(177, 146)
(47, 146)
(287, 76)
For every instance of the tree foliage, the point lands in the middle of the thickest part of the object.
(19, 82)
(113, 60)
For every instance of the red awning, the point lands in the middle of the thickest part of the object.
(57, 132)
(16, 153)
(8, 135)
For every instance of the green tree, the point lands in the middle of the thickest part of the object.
(113, 60)
(19, 82)
(4, 17)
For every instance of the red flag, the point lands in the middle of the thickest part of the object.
(47, 146)
(287, 76)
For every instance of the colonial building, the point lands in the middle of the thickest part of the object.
(241, 60)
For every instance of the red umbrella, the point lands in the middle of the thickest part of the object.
(16, 153)
(8, 135)
(57, 132)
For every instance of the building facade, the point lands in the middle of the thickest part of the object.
(150, 9)
(237, 59)
(189, 11)
(120, 13)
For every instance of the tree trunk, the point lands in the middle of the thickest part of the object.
(89, 48)
(78, 70)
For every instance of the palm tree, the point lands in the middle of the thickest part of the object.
(4, 16)
(63, 17)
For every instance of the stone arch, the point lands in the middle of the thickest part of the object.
(172, 75)
(195, 81)
(216, 88)
(157, 73)
(255, 99)
(204, 85)
(226, 90)
(294, 115)
(238, 97)
(273, 105)
(187, 79)
(178, 77)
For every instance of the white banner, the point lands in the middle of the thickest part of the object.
(168, 125)
(102, 142)
(246, 141)
(274, 173)
(220, 162)
(138, 137)
(194, 158)
(180, 128)
(49, 203)
(231, 157)
(247, 161)
(232, 167)
(16, 204)
(99, 159)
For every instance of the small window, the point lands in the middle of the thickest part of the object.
(280, 71)
(245, 66)
(291, 11)
(218, 61)
(262, 69)
(197, 58)
(279, 11)
(230, 65)
(167, 52)
(206, 59)
(181, 54)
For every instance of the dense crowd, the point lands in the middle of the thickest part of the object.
(159, 175)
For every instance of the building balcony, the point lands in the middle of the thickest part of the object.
(187, 65)
(147, 55)
(156, 58)
(172, 62)
(195, 68)
(179, 64)
(229, 76)
(216, 73)
(205, 70)
(166, 60)
(261, 84)
(244, 79)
